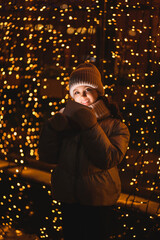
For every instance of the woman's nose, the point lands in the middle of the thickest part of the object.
(83, 94)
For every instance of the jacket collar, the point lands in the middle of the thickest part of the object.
(100, 109)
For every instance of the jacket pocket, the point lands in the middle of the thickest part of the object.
(113, 172)
(101, 188)
(104, 180)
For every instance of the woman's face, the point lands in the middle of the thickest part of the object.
(85, 95)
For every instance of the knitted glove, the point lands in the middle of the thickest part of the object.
(59, 122)
(80, 114)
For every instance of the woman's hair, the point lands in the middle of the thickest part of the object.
(113, 107)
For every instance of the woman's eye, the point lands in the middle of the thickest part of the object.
(76, 93)
(88, 89)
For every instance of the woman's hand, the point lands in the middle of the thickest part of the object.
(59, 122)
(80, 114)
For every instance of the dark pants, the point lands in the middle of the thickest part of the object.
(86, 222)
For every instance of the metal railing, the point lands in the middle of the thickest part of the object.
(41, 172)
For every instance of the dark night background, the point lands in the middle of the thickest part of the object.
(41, 41)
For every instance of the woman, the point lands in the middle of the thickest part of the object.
(87, 140)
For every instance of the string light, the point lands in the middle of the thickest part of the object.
(41, 43)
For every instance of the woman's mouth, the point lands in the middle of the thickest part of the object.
(85, 102)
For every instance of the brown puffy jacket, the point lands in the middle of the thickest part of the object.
(87, 160)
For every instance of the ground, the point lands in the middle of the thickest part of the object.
(8, 233)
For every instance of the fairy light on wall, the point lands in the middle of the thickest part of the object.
(37, 52)
(136, 67)
(42, 42)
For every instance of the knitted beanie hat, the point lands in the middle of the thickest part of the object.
(86, 74)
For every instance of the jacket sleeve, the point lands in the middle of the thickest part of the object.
(48, 144)
(106, 150)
